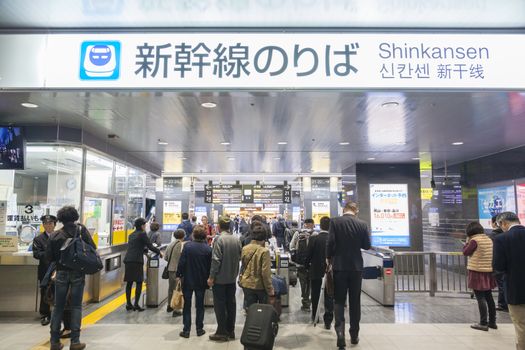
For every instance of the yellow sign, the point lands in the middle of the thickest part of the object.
(320, 209)
(426, 193)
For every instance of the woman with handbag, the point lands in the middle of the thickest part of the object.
(138, 241)
(172, 256)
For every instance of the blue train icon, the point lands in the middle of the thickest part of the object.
(100, 60)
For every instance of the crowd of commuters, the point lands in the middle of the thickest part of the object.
(202, 256)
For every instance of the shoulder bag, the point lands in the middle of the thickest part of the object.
(76, 255)
(165, 272)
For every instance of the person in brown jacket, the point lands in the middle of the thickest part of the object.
(480, 278)
(256, 275)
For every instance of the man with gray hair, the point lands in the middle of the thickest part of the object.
(509, 258)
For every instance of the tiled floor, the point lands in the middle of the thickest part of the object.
(373, 336)
(416, 322)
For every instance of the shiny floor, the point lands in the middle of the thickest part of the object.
(417, 321)
(374, 336)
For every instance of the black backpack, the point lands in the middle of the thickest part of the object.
(77, 255)
(301, 253)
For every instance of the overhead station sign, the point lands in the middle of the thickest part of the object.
(235, 194)
(262, 60)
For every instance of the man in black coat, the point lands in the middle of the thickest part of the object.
(39, 252)
(346, 237)
(316, 264)
(509, 258)
(500, 277)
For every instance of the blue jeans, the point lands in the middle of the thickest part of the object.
(73, 282)
(199, 305)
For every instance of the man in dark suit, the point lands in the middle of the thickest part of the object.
(39, 252)
(316, 265)
(346, 237)
(509, 258)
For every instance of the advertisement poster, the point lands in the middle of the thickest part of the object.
(171, 215)
(296, 214)
(389, 215)
(493, 201)
(320, 209)
(520, 193)
(200, 212)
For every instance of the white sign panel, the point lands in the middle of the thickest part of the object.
(264, 60)
(171, 215)
(320, 209)
(389, 215)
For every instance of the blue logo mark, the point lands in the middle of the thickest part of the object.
(100, 60)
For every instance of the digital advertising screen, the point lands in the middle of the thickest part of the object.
(389, 216)
(493, 201)
(520, 200)
(11, 148)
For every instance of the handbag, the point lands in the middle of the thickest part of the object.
(177, 300)
(243, 267)
(165, 272)
(279, 285)
(76, 255)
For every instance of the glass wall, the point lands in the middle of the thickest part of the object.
(114, 193)
(52, 178)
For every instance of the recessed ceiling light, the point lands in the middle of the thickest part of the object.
(416, 158)
(209, 104)
(29, 105)
(162, 143)
(282, 143)
(458, 143)
(325, 157)
(344, 143)
(231, 158)
(390, 104)
(277, 158)
(183, 158)
(371, 158)
(225, 143)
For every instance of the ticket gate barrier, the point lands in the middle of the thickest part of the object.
(156, 286)
(281, 265)
(378, 275)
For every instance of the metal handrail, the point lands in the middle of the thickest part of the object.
(432, 272)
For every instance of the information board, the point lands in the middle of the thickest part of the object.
(320, 188)
(389, 215)
(236, 194)
(272, 194)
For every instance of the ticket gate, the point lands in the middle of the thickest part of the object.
(156, 287)
(378, 275)
(281, 264)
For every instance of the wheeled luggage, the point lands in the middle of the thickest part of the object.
(260, 327)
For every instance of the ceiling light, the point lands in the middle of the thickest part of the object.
(325, 157)
(29, 105)
(390, 104)
(231, 158)
(209, 104)
(371, 158)
(183, 158)
(416, 158)
(344, 143)
(282, 143)
(458, 143)
(162, 143)
(277, 158)
(225, 143)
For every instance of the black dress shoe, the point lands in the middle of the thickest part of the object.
(138, 308)
(200, 332)
(184, 334)
(129, 307)
(219, 337)
(480, 327)
(231, 336)
(327, 326)
(354, 341)
(44, 321)
(169, 309)
(493, 325)
(341, 344)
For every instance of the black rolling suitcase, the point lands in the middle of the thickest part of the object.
(260, 327)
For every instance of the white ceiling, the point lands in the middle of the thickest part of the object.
(312, 123)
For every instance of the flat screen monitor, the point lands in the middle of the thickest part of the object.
(12, 150)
